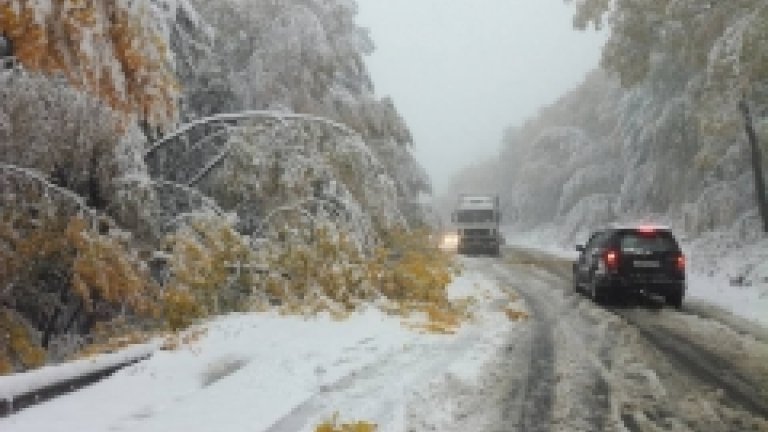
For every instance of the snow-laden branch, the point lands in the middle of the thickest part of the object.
(251, 115)
(207, 201)
(39, 178)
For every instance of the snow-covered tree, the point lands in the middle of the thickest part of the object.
(304, 57)
(711, 56)
(657, 134)
(114, 49)
(69, 136)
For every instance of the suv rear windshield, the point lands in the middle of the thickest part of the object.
(647, 243)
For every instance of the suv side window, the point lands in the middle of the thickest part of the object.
(595, 241)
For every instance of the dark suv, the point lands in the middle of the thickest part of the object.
(631, 260)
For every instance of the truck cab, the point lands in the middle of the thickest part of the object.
(477, 219)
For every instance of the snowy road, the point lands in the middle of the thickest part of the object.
(645, 367)
(561, 364)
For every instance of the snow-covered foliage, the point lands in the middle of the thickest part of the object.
(115, 49)
(202, 281)
(338, 180)
(60, 277)
(299, 56)
(67, 135)
(294, 56)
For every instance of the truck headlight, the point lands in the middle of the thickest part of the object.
(450, 241)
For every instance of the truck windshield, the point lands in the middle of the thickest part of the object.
(474, 216)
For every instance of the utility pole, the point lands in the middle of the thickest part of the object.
(757, 162)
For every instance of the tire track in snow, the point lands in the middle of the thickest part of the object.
(741, 387)
(581, 344)
(539, 390)
(536, 412)
(386, 378)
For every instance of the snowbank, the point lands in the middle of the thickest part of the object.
(730, 274)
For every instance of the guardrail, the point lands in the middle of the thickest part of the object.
(26, 389)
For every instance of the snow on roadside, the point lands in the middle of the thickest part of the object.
(281, 361)
(730, 275)
(249, 371)
(464, 395)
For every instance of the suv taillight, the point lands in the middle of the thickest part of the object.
(611, 259)
(680, 263)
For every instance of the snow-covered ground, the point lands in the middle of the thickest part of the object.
(730, 275)
(721, 270)
(257, 372)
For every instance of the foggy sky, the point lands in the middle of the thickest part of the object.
(461, 71)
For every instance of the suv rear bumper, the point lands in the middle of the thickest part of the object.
(623, 285)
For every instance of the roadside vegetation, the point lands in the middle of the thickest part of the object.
(333, 425)
(64, 280)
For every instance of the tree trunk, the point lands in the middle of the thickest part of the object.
(50, 328)
(757, 163)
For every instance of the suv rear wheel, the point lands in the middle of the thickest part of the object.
(598, 294)
(675, 300)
